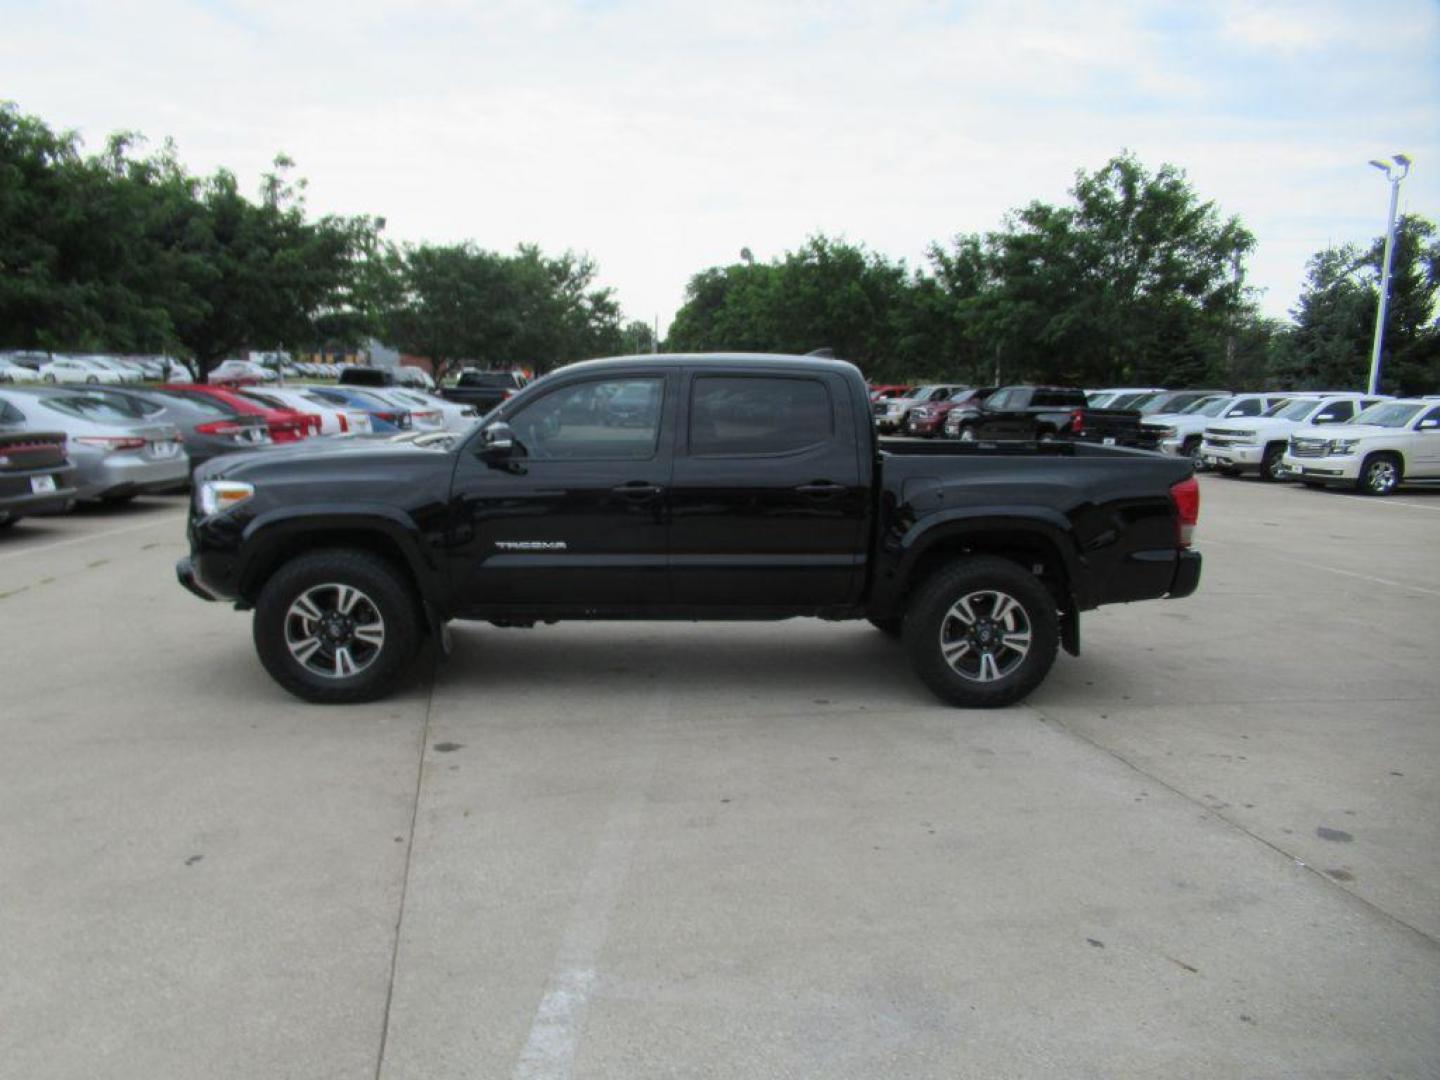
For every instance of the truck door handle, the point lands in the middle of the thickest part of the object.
(637, 491)
(821, 489)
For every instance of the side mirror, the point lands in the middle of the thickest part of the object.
(497, 442)
(1325, 418)
(1427, 425)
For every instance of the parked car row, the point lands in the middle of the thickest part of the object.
(110, 443)
(19, 367)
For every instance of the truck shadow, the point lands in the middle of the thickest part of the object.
(776, 664)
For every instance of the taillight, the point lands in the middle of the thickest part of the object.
(344, 424)
(219, 427)
(1077, 422)
(112, 442)
(314, 423)
(1186, 497)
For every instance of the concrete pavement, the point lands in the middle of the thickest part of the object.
(1205, 848)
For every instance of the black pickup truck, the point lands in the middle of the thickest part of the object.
(483, 389)
(739, 487)
(1050, 412)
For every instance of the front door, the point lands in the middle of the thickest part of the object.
(770, 494)
(575, 521)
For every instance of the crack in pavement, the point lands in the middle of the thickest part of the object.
(1330, 883)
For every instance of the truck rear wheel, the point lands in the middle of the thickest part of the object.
(982, 633)
(337, 626)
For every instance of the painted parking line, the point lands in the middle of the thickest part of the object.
(39, 549)
(1408, 587)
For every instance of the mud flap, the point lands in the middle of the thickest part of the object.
(1070, 631)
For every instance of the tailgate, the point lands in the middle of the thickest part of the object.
(1122, 425)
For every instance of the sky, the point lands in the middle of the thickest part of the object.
(662, 137)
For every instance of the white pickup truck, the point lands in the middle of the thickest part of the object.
(1259, 445)
(1180, 433)
(1389, 442)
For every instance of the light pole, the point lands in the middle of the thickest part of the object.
(1394, 171)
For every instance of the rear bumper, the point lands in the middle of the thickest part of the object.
(18, 498)
(1187, 575)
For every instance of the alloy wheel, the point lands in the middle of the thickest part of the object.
(1381, 476)
(985, 635)
(334, 630)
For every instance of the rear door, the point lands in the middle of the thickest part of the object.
(770, 496)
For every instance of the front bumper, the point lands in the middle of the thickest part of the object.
(185, 571)
(1326, 468)
(1232, 457)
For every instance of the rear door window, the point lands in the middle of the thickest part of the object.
(742, 416)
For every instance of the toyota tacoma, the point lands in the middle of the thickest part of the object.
(686, 487)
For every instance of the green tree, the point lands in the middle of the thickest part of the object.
(1137, 281)
(1329, 342)
(460, 304)
(827, 294)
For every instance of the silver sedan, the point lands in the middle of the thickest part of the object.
(114, 457)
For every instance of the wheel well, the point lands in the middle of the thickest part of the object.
(281, 551)
(1023, 547)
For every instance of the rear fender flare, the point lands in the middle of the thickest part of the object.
(976, 523)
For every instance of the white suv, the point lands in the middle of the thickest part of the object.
(1259, 445)
(1387, 443)
(1180, 433)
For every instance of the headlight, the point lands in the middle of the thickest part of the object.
(214, 496)
(1343, 446)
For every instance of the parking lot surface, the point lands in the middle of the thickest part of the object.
(1205, 848)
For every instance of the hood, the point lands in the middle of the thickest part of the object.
(314, 456)
(1347, 431)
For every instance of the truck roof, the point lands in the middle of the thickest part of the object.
(719, 361)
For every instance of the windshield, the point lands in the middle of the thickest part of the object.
(482, 378)
(1298, 409)
(1208, 407)
(1391, 414)
(1146, 403)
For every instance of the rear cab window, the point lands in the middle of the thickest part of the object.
(758, 415)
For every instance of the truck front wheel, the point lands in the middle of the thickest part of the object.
(982, 633)
(337, 626)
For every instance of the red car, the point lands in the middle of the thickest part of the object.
(928, 420)
(286, 425)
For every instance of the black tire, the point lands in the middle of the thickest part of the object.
(6, 522)
(385, 592)
(1272, 464)
(1192, 451)
(1380, 474)
(889, 627)
(932, 620)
